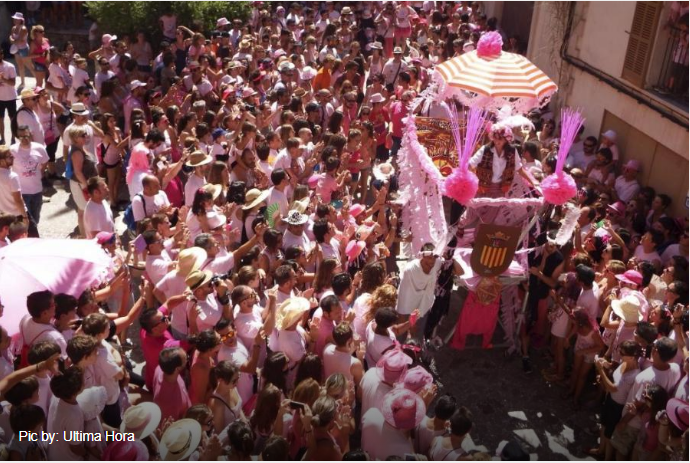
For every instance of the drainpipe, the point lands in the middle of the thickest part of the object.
(622, 87)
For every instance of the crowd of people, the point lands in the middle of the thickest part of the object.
(254, 167)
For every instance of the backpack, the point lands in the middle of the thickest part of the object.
(128, 217)
(13, 121)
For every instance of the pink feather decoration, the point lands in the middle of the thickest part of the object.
(461, 184)
(490, 44)
(560, 187)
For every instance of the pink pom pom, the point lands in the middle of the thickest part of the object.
(558, 188)
(490, 44)
(461, 185)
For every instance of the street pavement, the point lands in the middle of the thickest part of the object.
(505, 402)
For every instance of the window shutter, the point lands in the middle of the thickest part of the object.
(642, 33)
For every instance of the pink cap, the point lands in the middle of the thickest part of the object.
(632, 277)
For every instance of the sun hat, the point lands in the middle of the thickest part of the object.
(633, 164)
(141, 419)
(397, 51)
(254, 197)
(301, 205)
(278, 53)
(376, 46)
(308, 73)
(105, 237)
(28, 93)
(213, 189)
(248, 92)
(416, 379)
(364, 231)
(215, 220)
(299, 92)
(383, 171)
(354, 249)
(79, 109)
(345, 10)
(677, 412)
(403, 409)
(617, 208)
(92, 401)
(189, 260)
(198, 278)
(610, 134)
(290, 311)
(180, 440)
(126, 451)
(296, 218)
(135, 84)
(18, 15)
(632, 277)
(393, 365)
(628, 309)
(222, 22)
(107, 38)
(357, 209)
(377, 98)
(198, 158)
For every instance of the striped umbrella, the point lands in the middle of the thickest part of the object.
(491, 78)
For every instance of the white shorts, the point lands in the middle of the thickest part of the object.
(77, 194)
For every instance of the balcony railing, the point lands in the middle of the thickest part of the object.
(673, 78)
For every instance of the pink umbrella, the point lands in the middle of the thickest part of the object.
(35, 264)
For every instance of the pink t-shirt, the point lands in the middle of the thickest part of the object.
(152, 347)
(326, 186)
(172, 398)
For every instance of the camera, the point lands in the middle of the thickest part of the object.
(216, 279)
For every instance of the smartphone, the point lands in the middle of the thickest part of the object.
(296, 405)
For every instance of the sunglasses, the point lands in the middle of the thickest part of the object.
(165, 319)
(230, 335)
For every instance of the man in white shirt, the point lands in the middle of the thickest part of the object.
(580, 159)
(36, 326)
(295, 235)
(30, 160)
(394, 66)
(197, 79)
(627, 186)
(201, 162)
(98, 216)
(158, 262)
(381, 379)
(26, 115)
(11, 201)
(8, 94)
(387, 431)
(589, 296)
(212, 301)
(103, 74)
(154, 199)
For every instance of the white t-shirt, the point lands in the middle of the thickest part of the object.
(376, 344)
(335, 361)
(9, 183)
(27, 163)
(650, 257)
(33, 333)
(105, 369)
(589, 300)
(290, 239)
(173, 284)
(672, 250)
(381, 440)
(624, 382)
(204, 87)
(8, 92)
(157, 267)
(193, 184)
(626, 190)
(30, 119)
(153, 205)
(98, 218)
(498, 163)
(373, 390)
(64, 417)
(238, 356)
(417, 289)
(667, 379)
(292, 344)
(210, 313)
(280, 198)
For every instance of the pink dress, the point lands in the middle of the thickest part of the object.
(476, 318)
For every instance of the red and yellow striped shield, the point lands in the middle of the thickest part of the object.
(494, 248)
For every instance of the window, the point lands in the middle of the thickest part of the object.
(642, 33)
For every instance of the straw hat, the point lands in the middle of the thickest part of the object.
(254, 197)
(628, 309)
(79, 109)
(291, 311)
(393, 365)
(299, 92)
(189, 260)
(28, 93)
(198, 278)
(198, 158)
(141, 419)
(403, 409)
(214, 189)
(301, 205)
(126, 451)
(364, 230)
(376, 46)
(296, 218)
(180, 440)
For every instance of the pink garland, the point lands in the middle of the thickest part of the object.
(559, 187)
(420, 183)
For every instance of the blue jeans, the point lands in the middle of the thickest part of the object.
(34, 203)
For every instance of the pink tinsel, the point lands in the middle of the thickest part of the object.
(559, 187)
(461, 185)
(490, 44)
